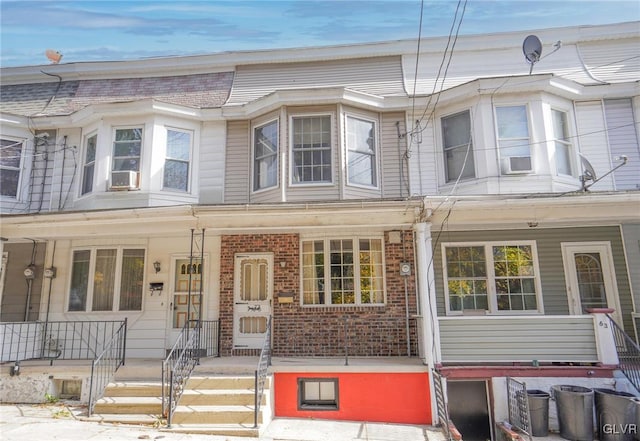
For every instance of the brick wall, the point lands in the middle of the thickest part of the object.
(323, 331)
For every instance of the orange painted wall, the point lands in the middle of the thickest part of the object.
(383, 397)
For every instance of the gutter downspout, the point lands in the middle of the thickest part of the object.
(430, 330)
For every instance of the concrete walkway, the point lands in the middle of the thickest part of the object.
(45, 422)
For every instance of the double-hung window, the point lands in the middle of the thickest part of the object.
(513, 139)
(10, 160)
(563, 146)
(265, 156)
(491, 277)
(361, 152)
(107, 279)
(342, 272)
(89, 166)
(177, 160)
(458, 147)
(311, 149)
(127, 148)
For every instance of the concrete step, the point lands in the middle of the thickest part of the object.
(221, 382)
(133, 389)
(129, 405)
(240, 430)
(220, 397)
(214, 415)
(133, 419)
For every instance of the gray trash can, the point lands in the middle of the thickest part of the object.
(575, 412)
(538, 412)
(615, 415)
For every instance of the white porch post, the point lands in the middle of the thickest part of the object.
(605, 341)
(427, 295)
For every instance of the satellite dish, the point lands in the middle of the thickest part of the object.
(588, 173)
(532, 49)
(53, 56)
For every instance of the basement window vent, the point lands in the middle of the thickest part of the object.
(69, 389)
(318, 394)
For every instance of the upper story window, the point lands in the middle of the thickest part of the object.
(563, 146)
(361, 152)
(311, 149)
(177, 160)
(89, 167)
(10, 160)
(492, 277)
(458, 147)
(265, 156)
(125, 165)
(513, 139)
(107, 279)
(342, 272)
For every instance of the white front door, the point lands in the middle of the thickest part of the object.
(590, 277)
(185, 298)
(253, 291)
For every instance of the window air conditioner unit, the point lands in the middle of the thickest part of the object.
(124, 180)
(516, 165)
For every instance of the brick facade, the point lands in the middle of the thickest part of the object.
(324, 331)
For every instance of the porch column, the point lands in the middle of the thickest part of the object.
(605, 340)
(427, 295)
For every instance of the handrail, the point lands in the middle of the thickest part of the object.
(260, 376)
(628, 353)
(178, 366)
(106, 364)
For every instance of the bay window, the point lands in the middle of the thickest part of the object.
(10, 160)
(265, 156)
(342, 272)
(492, 277)
(311, 149)
(127, 147)
(563, 146)
(513, 139)
(177, 160)
(106, 279)
(89, 166)
(458, 147)
(361, 152)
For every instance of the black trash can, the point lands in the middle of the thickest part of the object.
(575, 411)
(538, 412)
(615, 415)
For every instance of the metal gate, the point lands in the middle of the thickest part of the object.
(440, 389)
(518, 406)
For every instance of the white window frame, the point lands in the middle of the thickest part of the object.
(116, 284)
(15, 141)
(189, 161)
(356, 271)
(85, 164)
(519, 140)
(566, 143)
(254, 127)
(450, 179)
(375, 157)
(492, 299)
(332, 137)
(141, 127)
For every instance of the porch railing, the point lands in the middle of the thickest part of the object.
(106, 364)
(57, 340)
(628, 353)
(261, 372)
(518, 406)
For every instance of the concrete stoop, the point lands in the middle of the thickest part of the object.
(213, 405)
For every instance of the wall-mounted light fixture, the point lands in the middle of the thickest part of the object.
(156, 266)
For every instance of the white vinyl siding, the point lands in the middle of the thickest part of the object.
(592, 133)
(211, 159)
(623, 140)
(237, 176)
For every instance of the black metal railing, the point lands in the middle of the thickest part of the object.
(210, 338)
(177, 368)
(106, 364)
(628, 353)
(261, 372)
(58, 340)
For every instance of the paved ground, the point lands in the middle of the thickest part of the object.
(26, 422)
